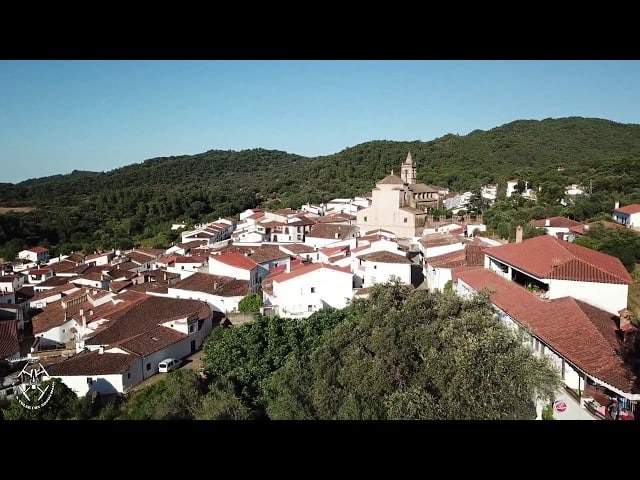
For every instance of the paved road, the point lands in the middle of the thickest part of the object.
(192, 362)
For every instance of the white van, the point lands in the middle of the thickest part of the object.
(168, 364)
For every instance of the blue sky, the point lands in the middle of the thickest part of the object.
(57, 116)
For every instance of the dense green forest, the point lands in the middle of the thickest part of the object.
(137, 203)
(401, 354)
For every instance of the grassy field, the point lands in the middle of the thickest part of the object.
(16, 209)
(634, 293)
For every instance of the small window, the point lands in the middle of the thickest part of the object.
(310, 307)
(89, 381)
(375, 266)
(313, 289)
(128, 375)
(365, 219)
(405, 219)
(148, 367)
(191, 328)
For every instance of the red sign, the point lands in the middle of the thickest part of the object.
(559, 406)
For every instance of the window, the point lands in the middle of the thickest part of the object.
(375, 266)
(405, 220)
(89, 381)
(310, 308)
(365, 219)
(128, 375)
(313, 289)
(148, 367)
(191, 328)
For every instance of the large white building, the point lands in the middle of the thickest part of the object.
(558, 269)
(381, 267)
(223, 294)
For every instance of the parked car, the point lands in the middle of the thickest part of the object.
(168, 364)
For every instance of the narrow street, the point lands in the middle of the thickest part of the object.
(192, 362)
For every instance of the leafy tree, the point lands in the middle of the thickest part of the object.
(411, 354)
(63, 405)
(251, 303)
(222, 403)
(176, 397)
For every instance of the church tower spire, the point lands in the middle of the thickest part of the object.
(408, 170)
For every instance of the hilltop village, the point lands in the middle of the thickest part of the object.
(106, 321)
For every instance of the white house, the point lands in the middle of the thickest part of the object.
(34, 254)
(381, 267)
(559, 227)
(437, 244)
(511, 186)
(9, 284)
(239, 266)
(307, 288)
(582, 341)
(223, 294)
(556, 269)
(489, 192)
(628, 215)
(99, 258)
(323, 234)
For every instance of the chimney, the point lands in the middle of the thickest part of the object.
(288, 266)
(547, 222)
(519, 234)
(616, 205)
(100, 350)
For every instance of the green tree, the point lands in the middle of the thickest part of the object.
(251, 303)
(413, 354)
(176, 397)
(63, 405)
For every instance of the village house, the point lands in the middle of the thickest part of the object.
(99, 258)
(323, 234)
(628, 216)
(222, 293)
(239, 266)
(581, 340)
(438, 270)
(9, 285)
(212, 232)
(135, 341)
(35, 255)
(559, 227)
(556, 269)
(38, 275)
(436, 244)
(299, 290)
(302, 251)
(381, 267)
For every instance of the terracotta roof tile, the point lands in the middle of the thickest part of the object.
(581, 333)
(9, 343)
(152, 341)
(384, 257)
(92, 363)
(214, 285)
(548, 257)
(629, 209)
(235, 259)
(555, 222)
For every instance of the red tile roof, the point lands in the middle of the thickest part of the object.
(38, 250)
(92, 363)
(629, 209)
(331, 230)
(297, 248)
(146, 316)
(152, 341)
(9, 344)
(214, 285)
(581, 333)
(555, 222)
(384, 257)
(547, 257)
(439, 239)
(235, 259)
(303, 269)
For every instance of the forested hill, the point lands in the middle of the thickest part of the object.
(91, 210)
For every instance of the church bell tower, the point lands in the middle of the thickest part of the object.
(408, 170)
